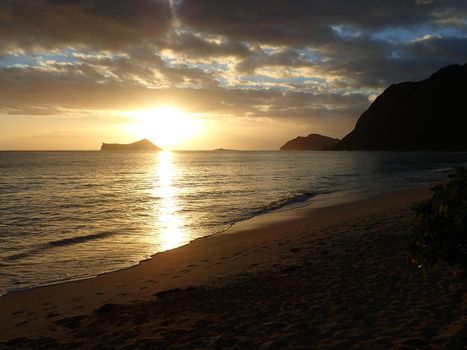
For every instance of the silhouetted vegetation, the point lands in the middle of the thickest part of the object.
(440, 231)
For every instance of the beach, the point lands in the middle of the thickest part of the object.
(316, 277)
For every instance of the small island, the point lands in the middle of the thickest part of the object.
(224, 150)
(313, 142)
(142, 145)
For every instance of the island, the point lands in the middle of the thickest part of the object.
(224, 150)
(313, 142)
(426, 115)
(142, 145)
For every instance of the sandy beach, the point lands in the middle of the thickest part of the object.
(333, 277)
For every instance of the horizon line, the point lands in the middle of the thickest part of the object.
(137, 151)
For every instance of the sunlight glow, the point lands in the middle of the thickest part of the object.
(166, 126)
(170, 222)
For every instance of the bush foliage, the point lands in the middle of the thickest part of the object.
(440, 230)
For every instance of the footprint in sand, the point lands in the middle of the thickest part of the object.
(17, 312)
(296, 249)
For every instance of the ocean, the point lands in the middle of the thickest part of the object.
(73, 215)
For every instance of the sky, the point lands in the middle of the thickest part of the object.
(199, 74)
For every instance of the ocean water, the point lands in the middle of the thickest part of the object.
(71, 215)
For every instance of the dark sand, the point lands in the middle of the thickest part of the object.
(327, 278)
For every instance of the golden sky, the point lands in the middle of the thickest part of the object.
(206, 74)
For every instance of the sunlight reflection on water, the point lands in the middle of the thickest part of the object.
(171, 232)
(70, 215)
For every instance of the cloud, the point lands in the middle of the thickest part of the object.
(283, 58)
(442, 49)
(340, 33)
(50, 91)
(189, 44)
(303, 61)
(300, 23)
(33, 25)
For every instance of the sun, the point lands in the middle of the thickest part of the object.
(166, 126)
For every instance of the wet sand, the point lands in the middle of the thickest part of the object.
(325, 278)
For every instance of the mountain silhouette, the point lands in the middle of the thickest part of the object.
(142, 145)
(309, 143)
(426, 115)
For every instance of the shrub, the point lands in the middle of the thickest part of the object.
(440, 230)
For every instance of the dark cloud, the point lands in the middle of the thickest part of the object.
(365, 62)
(301, 23)
(192, 45)
(339, 31)
(443, 49)
(285, 58)
(97, 24)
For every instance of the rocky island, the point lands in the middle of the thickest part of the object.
(142, 145)
(313, 142)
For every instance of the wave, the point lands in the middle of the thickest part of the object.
(79, 239)
(58, 243)
(285, 202)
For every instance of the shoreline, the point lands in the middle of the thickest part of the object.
(329, 200)
(199, 263)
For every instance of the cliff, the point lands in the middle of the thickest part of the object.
(142, 145)
(427, 115)
(312, 142)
